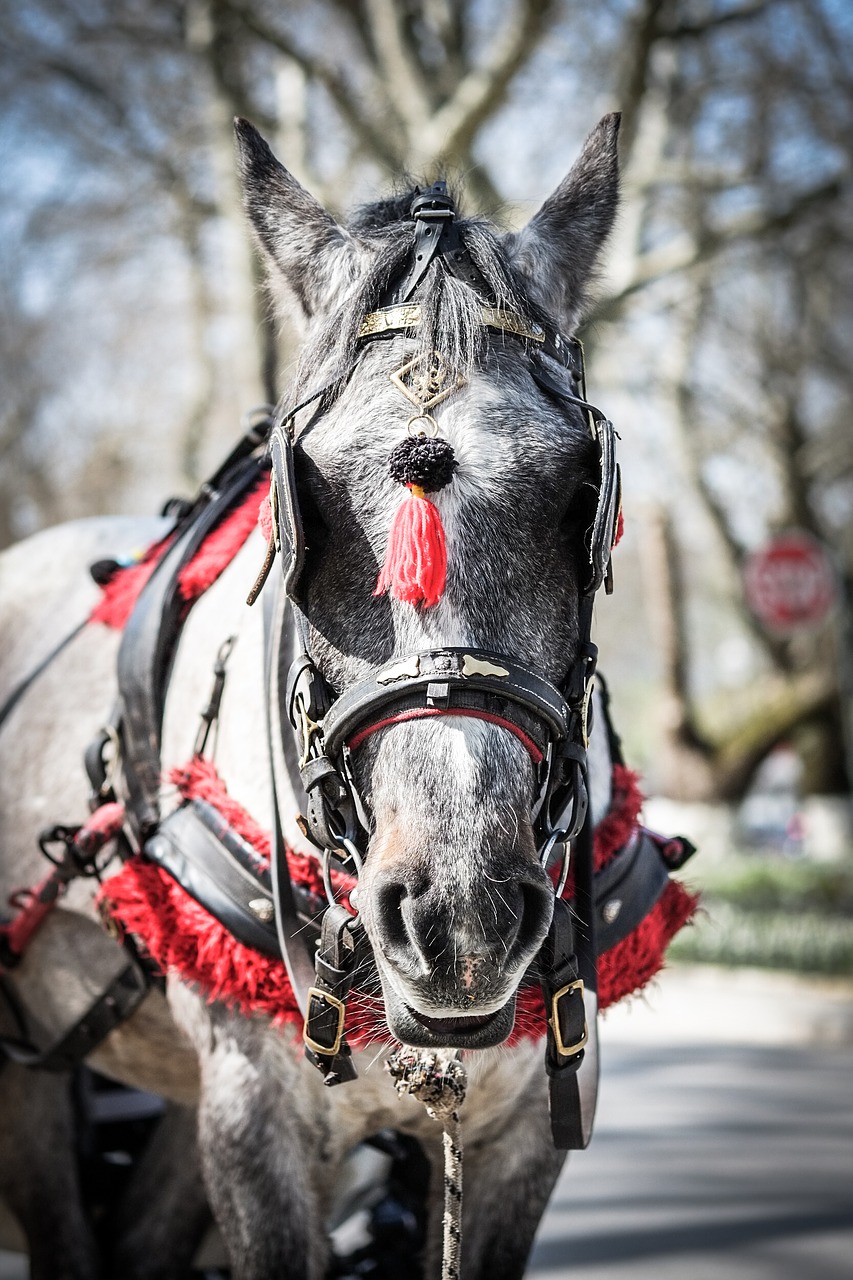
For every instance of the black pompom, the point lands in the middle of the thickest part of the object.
(427, 461)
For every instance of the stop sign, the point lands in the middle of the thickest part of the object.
(790, 583)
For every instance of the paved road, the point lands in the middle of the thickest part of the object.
(724, 1140)
(713, 1162)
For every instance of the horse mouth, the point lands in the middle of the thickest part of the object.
(456, 1026)
(461, 1031)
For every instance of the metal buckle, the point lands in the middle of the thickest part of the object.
(341, 1010)
(307, 728)
(567, 1051)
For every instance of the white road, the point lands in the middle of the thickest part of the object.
(723, 1147)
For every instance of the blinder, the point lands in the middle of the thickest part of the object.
(284, 503)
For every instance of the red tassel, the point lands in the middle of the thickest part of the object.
(415, 567)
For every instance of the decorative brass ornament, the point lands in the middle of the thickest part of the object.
(399, 670)
(402, 317)
(427, 380)
(480, 667)
(410, 316)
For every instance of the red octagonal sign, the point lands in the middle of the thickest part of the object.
(790, 583)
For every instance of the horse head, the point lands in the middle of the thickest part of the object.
(453, 893)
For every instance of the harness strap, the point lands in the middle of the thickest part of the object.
(124, 994)
(7, 707)
(325, 1040)
(148, 648)
(570, 990)
(289, 928)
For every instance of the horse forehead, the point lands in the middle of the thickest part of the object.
(502, 430)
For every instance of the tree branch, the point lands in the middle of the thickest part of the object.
(714, 21)
(682, 253)
(398, 64)
(453, 127)
(346, 100)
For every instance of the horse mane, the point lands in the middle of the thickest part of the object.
(450, 308)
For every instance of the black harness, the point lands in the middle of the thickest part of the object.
(452, 681)
(261, 906)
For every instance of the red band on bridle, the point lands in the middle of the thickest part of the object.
(421, 713)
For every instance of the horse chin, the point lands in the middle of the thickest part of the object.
(462, 1031)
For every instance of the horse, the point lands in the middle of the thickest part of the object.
(437, 407)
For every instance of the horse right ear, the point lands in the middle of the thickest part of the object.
(558, 249)
(303, 244)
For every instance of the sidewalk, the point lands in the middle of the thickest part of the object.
(706, 1003)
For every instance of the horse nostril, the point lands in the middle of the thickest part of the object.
(537, 905)
(390, 901)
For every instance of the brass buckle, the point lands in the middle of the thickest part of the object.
(341, 1009)
(307, 729)
(567, 1051)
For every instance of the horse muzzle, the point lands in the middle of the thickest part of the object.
(450, 966)
(461, 1030)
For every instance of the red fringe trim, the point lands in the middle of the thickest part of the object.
(181, 935)
(121, 593)
(221, 547)
(123, 590)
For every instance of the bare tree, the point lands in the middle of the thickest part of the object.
(730, 273)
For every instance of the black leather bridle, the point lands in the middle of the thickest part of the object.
(553, 721)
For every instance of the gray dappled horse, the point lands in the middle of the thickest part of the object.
(452, 894)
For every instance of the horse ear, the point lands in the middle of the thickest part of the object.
(558, 249)
(299, 239)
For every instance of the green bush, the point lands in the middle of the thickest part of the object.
(727, 933)
(767, 884)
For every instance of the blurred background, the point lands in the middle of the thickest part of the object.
(135, 335)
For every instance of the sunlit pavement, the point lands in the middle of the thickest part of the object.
(715, 1159)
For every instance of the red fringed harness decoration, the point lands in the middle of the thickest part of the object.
(181, 936)
(123, 587)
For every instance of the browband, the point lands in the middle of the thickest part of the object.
(410, 316)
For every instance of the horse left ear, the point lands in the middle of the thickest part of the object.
(304, 244)
(558, 249)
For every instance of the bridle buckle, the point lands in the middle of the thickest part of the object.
(328, 1003)
(567, 1051)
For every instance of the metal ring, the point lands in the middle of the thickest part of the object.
(422, 417)
(353, 854)
(555, 838)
